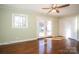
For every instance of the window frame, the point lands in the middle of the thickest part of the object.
(21, 15)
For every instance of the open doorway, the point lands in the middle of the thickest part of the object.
(44, 28)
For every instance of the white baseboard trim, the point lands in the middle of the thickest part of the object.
(11, 42)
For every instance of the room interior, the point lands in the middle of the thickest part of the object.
(36, 29)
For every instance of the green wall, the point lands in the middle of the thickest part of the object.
(9, 34)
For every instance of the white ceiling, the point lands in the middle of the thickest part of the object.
(70, 10)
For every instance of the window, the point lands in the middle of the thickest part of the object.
(19, 21)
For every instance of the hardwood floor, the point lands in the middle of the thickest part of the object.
(41, 46)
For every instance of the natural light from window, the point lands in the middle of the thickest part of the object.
(19, 21)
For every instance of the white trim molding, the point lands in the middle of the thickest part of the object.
(12, 42)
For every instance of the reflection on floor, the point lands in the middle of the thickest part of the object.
(45, 46)
(49, 46)
(41, 46)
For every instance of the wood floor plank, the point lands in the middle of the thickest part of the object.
(44, 46)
